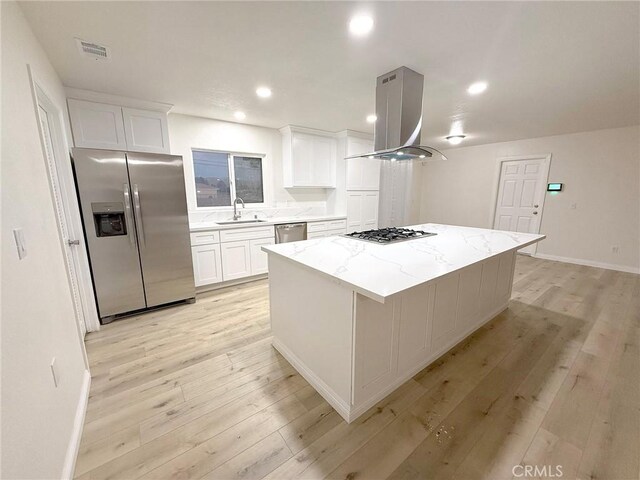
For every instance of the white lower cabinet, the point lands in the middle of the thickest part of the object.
(207, 264)
(230, 254)
(326, 229)
(259, 259)
(362, 211)
(236, 260)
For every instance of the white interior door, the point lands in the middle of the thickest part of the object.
(69, 244)
(521, 196)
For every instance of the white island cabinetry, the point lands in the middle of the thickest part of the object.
(375, 314)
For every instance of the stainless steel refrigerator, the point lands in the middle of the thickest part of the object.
(134, 212)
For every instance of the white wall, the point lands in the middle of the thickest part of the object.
(187, 132)
(601, 173)
(37, 310)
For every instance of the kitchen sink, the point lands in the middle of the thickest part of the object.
(233, 222)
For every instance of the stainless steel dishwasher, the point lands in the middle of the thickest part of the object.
(291, 232)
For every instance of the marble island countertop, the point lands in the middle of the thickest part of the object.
(379, 271)
(204, 226)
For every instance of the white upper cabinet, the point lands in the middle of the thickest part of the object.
(362, 173)
(308, 158)
(146, 130)
(97, 125)
(101, 125)
(324, 161)
(301, 164)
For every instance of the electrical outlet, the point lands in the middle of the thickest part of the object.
(18, 236)
(615, 249)
(54, 372)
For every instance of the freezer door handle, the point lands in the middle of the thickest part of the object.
(138, 212)
(127, 212)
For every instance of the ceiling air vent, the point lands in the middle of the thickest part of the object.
(93, 50)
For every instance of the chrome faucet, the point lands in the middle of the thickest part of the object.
(235, 209)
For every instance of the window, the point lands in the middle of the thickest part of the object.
(248, 175)
(220, 177)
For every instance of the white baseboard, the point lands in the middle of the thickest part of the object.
(588, 263)
(230, 283)
(78, 424)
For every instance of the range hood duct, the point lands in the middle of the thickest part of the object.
(399, 118)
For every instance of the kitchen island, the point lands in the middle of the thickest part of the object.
(358, 319)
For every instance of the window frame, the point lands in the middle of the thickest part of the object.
(232, 177)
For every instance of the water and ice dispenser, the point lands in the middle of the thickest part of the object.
(109, 219)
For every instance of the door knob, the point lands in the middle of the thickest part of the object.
(73, 242)
(535, 213)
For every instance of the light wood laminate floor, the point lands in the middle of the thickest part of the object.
(197, 391)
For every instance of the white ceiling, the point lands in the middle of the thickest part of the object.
(552, 67)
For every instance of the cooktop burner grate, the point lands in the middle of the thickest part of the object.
(389, 235)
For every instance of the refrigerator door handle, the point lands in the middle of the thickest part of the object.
(138, 212)
(127, 212)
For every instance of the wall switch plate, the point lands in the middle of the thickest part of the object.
(54, 372)
(615, 249)
(18, 236)
(574, 206)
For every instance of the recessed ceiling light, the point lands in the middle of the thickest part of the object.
(360, 25)
(263, 92)
(240, 115)
(399, 153)
(476, 88)
(371, 156)
(422, 156)
(455, 139)
(372, 118)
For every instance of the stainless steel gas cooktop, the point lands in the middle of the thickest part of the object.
(389, 235)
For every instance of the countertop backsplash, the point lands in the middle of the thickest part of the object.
(299, 209)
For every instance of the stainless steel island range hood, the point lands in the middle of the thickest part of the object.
(399, 118)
